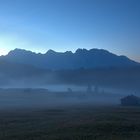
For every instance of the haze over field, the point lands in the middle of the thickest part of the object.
(86, 77)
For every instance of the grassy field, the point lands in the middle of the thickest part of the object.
(71, 123)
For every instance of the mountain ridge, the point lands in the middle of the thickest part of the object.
(81, 58)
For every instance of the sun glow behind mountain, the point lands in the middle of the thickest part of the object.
(10, 42)
(7, 43)
(3, 51)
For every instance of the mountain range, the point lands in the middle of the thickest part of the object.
(81, 58)
(98, 67)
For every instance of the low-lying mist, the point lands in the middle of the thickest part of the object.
(58, 96)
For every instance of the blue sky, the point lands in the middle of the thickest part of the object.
(61, 25)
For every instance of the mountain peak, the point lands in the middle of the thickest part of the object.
(20, 51)
(93, 50)
(79, 50)
(50, 51)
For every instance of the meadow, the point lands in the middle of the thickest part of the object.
(74, 122)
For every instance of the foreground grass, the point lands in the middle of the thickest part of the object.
(79, 123)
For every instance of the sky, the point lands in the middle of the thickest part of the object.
(61, 25)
